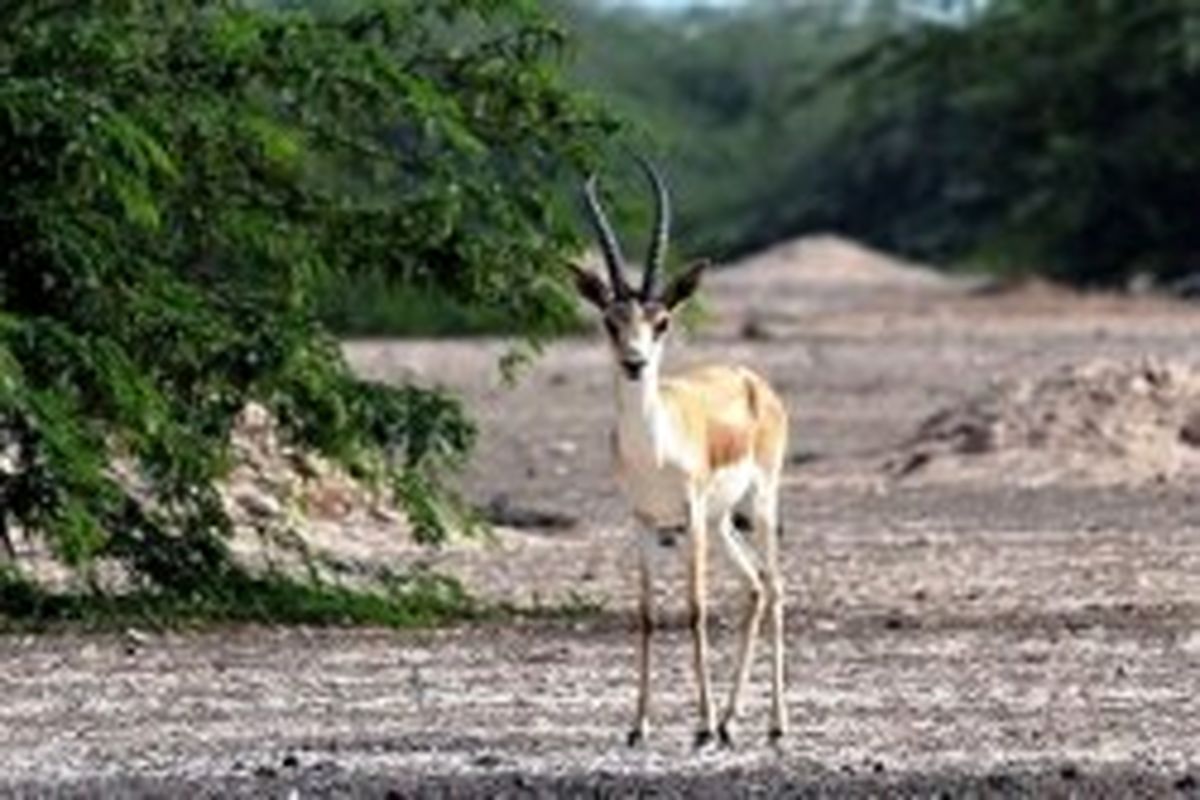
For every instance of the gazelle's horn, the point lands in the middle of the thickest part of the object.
(657, 253)
(607, 237)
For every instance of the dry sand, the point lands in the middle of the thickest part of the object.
(991, 549)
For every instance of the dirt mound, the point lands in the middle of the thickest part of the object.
(1103, 422)
(1024, 288)
(290, 510)
(770, 294)
(827, 260)
(283, 500)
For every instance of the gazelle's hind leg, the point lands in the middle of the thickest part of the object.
(743, 558)
(766, 534)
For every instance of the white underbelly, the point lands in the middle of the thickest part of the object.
(728, 486)
(659, 497)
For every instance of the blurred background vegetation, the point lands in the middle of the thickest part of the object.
(1013, 135)
(1010, 136)
(197, 198)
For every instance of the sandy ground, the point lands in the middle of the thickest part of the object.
(979, 631)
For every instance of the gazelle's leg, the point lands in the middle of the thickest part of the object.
(646, 544)
(766, 531)
(744, 560)
(698, 610)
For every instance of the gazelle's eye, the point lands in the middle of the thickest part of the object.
(661, 325)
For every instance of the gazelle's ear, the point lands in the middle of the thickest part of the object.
(592, 287)
(684, 286)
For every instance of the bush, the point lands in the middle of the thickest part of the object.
(182, 180)
(1062, 139)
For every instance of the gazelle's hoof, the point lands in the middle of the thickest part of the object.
(636, 738)
(775, 735)
(724, 735)
(704, 739)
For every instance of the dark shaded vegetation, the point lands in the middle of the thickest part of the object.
(1059, 140)
(418, 600)
(415, 599)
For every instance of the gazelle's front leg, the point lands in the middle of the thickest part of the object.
(646, 543)
(698, 610)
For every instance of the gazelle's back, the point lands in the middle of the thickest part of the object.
(733, 411)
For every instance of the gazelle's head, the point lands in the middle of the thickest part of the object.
(637, 321)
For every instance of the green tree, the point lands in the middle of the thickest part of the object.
(181, 183)
(1059, 138)
(735, 99)
(1049, 137)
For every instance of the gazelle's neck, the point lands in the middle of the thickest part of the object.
(639, 417)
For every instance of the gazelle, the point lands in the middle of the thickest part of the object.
(688, 448)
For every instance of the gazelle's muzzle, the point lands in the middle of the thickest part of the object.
(633, 366)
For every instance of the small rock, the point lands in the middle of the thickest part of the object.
(258, 503)
(10, 458)
(909, 465)
(801, 457)
(290, 761)
(487, 761)
(564, 447)
(136, 637)
(998, 781)
(1189, 434)
(255, 417)
(385, 513)
(755, 329)
(310, 466)
(1069, 772)
(502, 511)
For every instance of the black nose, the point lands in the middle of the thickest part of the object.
(632, 367)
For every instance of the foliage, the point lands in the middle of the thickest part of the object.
(375, 305)
(371, 303)
(1060, 138)
(182, 181)
(1052, 137)
(734, 97)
